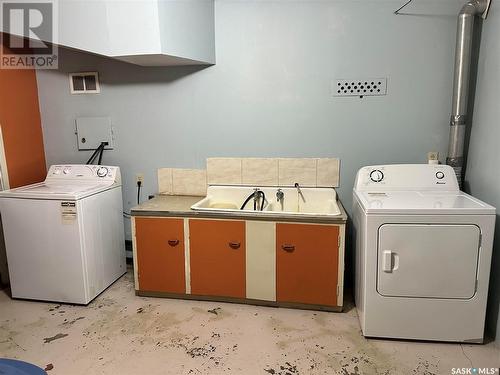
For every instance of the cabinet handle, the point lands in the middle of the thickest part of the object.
(288, 247)
(234, 245)
(173, 242)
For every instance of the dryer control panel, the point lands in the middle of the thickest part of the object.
(85, 172)
(406, 177)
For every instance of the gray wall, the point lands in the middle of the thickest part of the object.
(483, 166)
(269, 93)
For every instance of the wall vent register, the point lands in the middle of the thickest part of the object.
(360, 87)
(84, 83)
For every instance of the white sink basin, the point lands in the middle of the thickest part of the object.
(311, 201)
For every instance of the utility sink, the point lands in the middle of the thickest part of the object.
(309, 201)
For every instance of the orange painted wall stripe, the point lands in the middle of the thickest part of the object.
(21, 126)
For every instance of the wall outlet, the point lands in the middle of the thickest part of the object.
(139, 177)
(433, 156)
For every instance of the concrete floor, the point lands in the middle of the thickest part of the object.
(120, 333)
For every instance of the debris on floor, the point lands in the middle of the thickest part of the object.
(214, 311)
(48, 340)
(121, 333)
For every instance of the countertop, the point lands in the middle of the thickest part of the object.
(180, 206)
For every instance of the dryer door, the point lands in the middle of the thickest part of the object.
(428, 260)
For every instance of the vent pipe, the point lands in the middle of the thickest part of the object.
(463, 57)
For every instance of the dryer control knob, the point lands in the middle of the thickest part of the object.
(439, 175)
(376, 175)
(102, 171)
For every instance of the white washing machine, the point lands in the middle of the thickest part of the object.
(422, 254)
(64, 237)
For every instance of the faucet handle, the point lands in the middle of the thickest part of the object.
(279, 194)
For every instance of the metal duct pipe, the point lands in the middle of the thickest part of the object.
(461, 80)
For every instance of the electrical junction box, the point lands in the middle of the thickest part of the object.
(91, 131)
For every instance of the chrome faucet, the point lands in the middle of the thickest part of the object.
(256, 194)
(299, 191)
(280, 195)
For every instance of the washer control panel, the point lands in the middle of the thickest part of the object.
(376, 175)
(406, 177)
(440, 175)
(84, 172)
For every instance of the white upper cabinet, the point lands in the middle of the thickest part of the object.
(142, 32)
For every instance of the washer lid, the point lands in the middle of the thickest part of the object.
(56, 191)
(69, 182)
(422, 202)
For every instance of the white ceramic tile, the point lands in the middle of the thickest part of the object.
(224, 171)
(189, 182)
(259, 171)
(298, 170)
(328, 172)
(165, 180)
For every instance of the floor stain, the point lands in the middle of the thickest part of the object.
(425, 367)
(211, 338)
(48, 340)
(214, 311)
(281, 327)
(55, 308)
(40, 322)
(71, 322)
(147, 327)
(102, 302)
(285, 369)
(201, 351)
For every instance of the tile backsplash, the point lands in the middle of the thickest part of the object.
(259, 171)
(177, 181)
(224, 171)
(309, 172)
(165, 180)
(327, 172)
(189, 182)
(302, 171)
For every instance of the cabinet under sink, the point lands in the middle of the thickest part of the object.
(260, 262)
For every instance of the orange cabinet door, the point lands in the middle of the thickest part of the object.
(307, 263)
(160, 254)
(217, 258)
